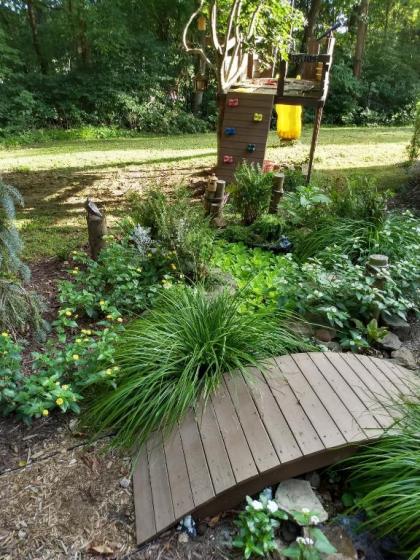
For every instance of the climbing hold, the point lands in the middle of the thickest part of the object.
(227, 159)
(233, 102)
(258, 117)
(230, 131)
(251, 148)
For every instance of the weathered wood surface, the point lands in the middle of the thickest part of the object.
(305, 411)
(247, 131)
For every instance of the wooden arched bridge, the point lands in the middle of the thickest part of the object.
(305, 412)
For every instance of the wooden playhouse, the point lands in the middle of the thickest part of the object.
(249, 106)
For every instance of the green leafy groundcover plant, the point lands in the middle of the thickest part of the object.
(386, 476)
(177, 353)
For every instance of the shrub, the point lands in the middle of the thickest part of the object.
(179, 227)
(20, 309)
(250, 193)
(339, 293)
(359, 199)
(178, 353)
(414, 146)
(10, 243)
(125, 279)
(10, 374)
(386, 477)
(306, 206)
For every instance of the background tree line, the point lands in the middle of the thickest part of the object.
(67, 63)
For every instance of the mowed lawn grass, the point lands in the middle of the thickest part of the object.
(56, 177)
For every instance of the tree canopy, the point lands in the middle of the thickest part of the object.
(120, 62)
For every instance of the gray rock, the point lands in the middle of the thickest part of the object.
(325, 335)
(397, 325)
(333, 346)
(342, 542)
(314, 479)
(404, 357)
(390, 342)
(183, 538)
(295, 494)
(125, 482)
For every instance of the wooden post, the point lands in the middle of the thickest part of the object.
(377, 267)
(210, 192)
(317, 125)
(216, 206)
(277, 192)
(97, 228)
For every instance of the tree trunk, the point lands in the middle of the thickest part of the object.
(360, 38)
(35, 38)
(312, 18)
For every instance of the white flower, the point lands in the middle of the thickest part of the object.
(306, 510)
(314, 520)
(300, 540)
(272, 506)
(308, 541)
(257, 505)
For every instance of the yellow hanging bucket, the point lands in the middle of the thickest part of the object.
(289, 121)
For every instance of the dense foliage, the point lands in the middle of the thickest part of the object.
(67, 64)
(385, 477)
(178, 352)
(20, 307)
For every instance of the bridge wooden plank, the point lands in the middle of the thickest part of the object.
(405, 376)
(236, 444)
(262, 449)
(214, 447)
(143, 500)
(376, 387)
(178, 475)
(373, 370)
(292, 409)
(319, 417)
(195, 458)
(345, 421)
(337, 379)
(396, 380)
(159, 480)
(274, 421)
(374, 409)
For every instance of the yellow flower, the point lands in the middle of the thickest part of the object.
(116, 368)
(120, 320)
(57, 383)
(68, 313)
(5, 334)
(109, 317)
(78, 340)
(59, 401)
(75, 272)
(76, 357)
(149, 254)
(173, 266)
(108, 371)
(139, 269)
(102, 302)
(45, 412)
(65, 387)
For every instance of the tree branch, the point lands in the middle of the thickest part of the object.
(213, 22)
(254, 19)
(195, 50)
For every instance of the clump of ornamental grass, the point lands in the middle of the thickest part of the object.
(386, 476)
(177, 353)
